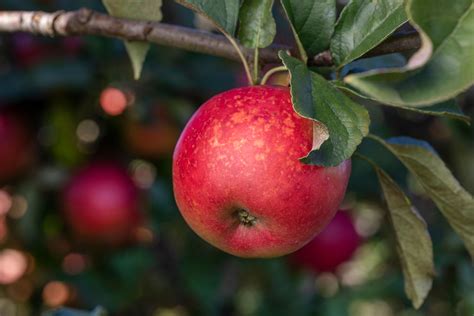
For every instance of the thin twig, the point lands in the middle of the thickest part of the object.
(89, 22)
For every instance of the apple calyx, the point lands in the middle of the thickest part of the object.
(246, 218)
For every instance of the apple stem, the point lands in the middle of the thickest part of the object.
(245, 218)
(272, 71)
(242, 58)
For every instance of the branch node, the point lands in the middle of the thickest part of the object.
(322, 59)
(147, 30)
(84, 15)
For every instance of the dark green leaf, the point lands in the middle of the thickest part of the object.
(416, 257)
(440, 70)
(223, 14)
(362, 25)
(148, 10)
(257, 26)
(456, 204)
(315, 98)
(447, 108)
(312, 22)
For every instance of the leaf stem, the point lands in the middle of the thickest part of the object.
(375, 137)
(255, 66)
(242, 57)
(367, 159)
(272, 71)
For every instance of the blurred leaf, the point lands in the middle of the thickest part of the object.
(443, 66)
(466, 306)
(448, 108)
(312, 23)
(29, 227)
(257, 26)
(98, 311)
(456, 204)
(416, 257)
(47, 77)
(362, 25)
(315, 98)
(131, 263)
(224, 14)
(147, 10)
(63, 123)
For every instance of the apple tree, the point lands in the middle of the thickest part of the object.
(259, 171)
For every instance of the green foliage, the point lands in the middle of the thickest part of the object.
(456, 204)
(416, 257)
(315, 98)
(63, 124)
(257, 26)
(312, 23)
(224, 14)
(362, 25)
(440, 70)
(148, 10)
(448, 108)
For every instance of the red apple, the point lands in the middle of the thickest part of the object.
(334, 245)
(238, 180)
(154, 139)
(101, 204)
(16, 145)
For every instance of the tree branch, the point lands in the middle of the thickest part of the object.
(88, 22)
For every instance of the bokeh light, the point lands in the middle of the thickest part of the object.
(56, 293)
(143, 173)
(13, 265)
(5, 202)
(88, 131)
(74, 263)
(144, 235)
(370, 308)
(327, 284)
(113, 101)
(19, 207)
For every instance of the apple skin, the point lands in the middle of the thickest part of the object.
(101, 204)
(16, 145)
(333, 246)
(238, 181)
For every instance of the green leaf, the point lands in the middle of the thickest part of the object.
(315, 98)
(441, 69)
(448, 108)
(137, 52)
(414, 245)
(257, 26)
(147, 10)
(455, 203)
(312, 22)
(224, 14)
(362, 25)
